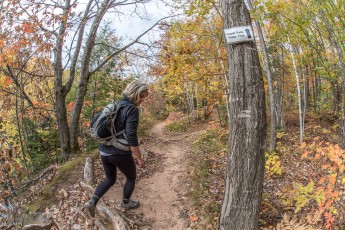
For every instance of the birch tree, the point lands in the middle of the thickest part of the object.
(299, 97)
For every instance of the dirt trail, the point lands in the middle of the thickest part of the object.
(162, 194)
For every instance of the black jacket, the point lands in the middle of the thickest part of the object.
(128, 119)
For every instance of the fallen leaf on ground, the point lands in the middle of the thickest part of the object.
(193, 218)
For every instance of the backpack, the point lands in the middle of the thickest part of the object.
(103, 130)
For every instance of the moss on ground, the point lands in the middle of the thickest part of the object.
(65, 172)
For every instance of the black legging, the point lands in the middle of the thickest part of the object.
(126, 165)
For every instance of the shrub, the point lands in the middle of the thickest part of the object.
(178, 126)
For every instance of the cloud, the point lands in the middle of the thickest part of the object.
(129, 24)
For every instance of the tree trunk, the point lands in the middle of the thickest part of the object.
(336, 92)
(60, 91)
(304, 91)
(299, 97)
(339, 51)
(196, 102)
(273, 128)
(307, 87)
(225, 79)
(313, 81)
(247, 129)
(61, 117)
(20, 136)
(280, 93)
(317, 91)
(85, 75)
(205, 100)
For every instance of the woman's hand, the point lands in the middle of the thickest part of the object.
(140, 162)
(137, 156)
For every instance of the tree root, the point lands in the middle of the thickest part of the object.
(88, 171)
(44, 226)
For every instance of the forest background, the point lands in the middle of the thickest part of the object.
(60, 62)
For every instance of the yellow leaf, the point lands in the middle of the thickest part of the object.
(341, 168)
(332, 178)
(326, 131)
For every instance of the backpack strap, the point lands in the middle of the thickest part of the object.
(120, 105)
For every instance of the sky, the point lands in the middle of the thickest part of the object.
(130, 25)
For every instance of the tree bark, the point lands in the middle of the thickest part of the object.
(85, 75)
(247, 129)
(280, 93)
(44, 226)
(299, 97)
(88, 171)
(273, 127)
(60, 90)
(304, 91)
(340, 54)
(307, 91)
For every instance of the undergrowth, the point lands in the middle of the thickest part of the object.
(178, 126)
(304, 182)
(146, 122)
(67, 169)
(65, 172)
(207, 174)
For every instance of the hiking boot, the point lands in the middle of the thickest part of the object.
(90, 207)
(131, 204)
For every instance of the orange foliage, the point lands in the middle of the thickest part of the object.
(332, 158)
(8, 81)
(70, 105)
(28, 27)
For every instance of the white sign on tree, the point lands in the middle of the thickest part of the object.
(239, 34)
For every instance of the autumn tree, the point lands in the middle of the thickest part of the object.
(70, 30)
(191, 63)
(26, 90)
(245, 167)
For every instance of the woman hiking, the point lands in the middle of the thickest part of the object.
(124, 159)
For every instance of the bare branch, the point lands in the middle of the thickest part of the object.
(37, 22)
(78, 46)
(15, 80)
(128, 45)
(32, 74)
(58, 49)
